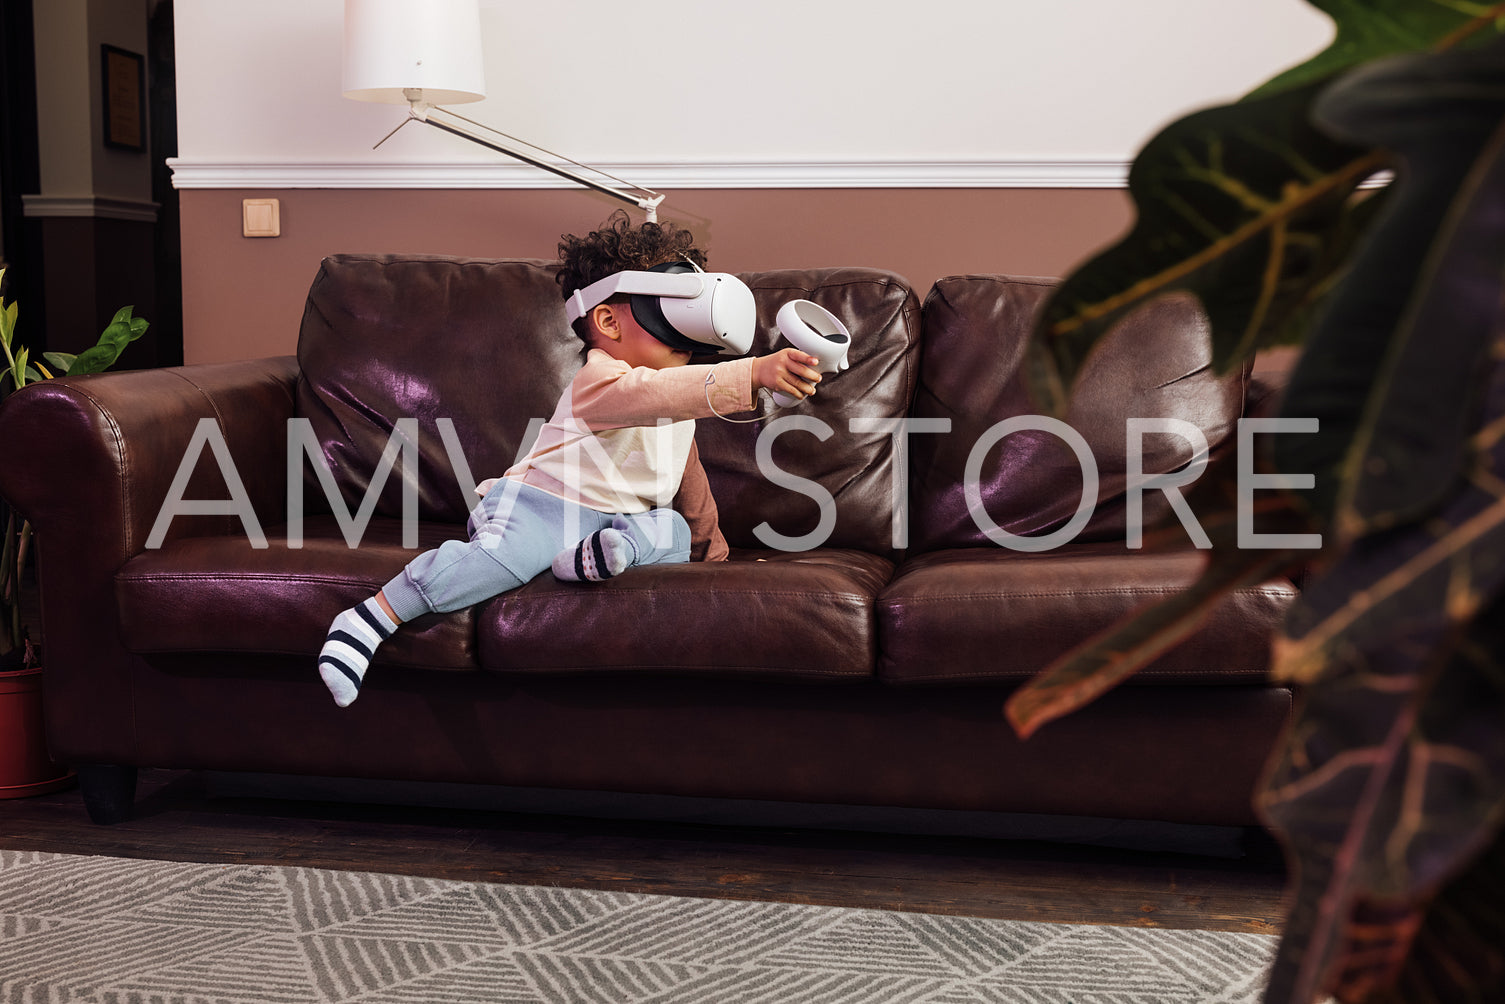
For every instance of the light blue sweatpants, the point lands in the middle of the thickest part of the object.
(514, 534)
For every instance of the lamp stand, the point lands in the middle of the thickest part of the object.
(458, 125)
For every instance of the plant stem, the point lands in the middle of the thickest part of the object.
(23, 551)
(1482, 21)
(10, 589)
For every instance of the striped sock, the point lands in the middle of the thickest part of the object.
(347, 651)
(603, 554)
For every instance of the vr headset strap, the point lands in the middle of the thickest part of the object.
(675, 284)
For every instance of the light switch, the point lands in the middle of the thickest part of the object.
(260, 218)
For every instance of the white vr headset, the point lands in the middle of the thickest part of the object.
(680, 305)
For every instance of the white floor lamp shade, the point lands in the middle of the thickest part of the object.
(427, 53)
(396, 47)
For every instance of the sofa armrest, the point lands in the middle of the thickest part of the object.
(97, 457)
(104, 449)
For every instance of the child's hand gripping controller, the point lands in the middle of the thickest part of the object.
(812, 328)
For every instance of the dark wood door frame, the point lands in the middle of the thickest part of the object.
(20, 171)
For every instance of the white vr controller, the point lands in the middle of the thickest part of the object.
(812, 328)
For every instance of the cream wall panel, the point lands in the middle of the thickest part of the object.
(64, 150)
(118, 174)
(995, 89)
(76, 168)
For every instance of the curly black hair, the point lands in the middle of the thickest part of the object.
(618, 246)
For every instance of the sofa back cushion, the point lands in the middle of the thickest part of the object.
(1156, 364)
(859, 470)
(385, 337)
(485, 343)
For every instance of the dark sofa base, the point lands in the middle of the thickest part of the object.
(504, 807)
(109, 791)
(1168, 753)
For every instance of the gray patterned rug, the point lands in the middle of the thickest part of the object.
(97, 930)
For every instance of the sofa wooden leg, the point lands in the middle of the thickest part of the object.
(109, 791)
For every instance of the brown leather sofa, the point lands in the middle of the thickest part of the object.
(849, 671)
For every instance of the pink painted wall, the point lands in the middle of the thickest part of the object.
(243, 297)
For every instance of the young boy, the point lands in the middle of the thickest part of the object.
(590, 500)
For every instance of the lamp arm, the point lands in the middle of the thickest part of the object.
(425, 113)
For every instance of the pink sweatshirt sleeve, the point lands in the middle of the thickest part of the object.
(698, 506)
(609, 394)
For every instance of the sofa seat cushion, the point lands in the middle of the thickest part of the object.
(971, 614)
(806, 615)
(219, 594)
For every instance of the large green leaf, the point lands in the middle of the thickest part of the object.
(1464, 287)
(61, 362)
(1393, 369)
(120, 332)
(1455, 955)
(1249, 206)
(1390, 784)
(1373, 29)
(1400, 597)
(1393, 776)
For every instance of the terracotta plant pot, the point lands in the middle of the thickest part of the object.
(24, 766)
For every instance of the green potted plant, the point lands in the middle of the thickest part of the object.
(1388, 787)
(24, 766)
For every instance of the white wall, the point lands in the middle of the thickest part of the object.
(883, 92)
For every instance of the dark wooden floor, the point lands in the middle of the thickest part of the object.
(188, 816)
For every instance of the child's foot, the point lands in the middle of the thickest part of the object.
(603, 554)
(353, 638)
